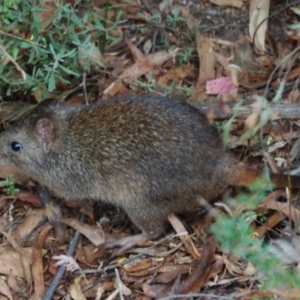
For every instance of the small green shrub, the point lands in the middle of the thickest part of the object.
(9, 183)
(51, 45)
(234, 234)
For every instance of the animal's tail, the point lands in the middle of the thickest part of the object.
(244, 175)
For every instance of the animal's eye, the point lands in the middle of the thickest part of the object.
(15, 146)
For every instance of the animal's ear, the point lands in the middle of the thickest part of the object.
(45, 131)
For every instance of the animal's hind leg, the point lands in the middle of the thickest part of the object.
(152, 226)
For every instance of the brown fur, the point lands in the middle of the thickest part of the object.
(150, 155)
(245, 175)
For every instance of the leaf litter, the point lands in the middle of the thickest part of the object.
(230, 60)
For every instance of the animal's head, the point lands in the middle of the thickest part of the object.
(25, 145)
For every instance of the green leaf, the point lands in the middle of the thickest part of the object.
(226, 130)
(51, 82)
(294, 26)
(68, 71)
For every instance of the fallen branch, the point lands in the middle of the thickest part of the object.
(282, 110)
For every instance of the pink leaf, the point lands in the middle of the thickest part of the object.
(220, 86)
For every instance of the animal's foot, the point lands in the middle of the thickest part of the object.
(129, 242)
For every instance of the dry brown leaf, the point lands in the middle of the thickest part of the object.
(37, 272)
(225, 282)
(29, 197)
(145, 272)
(116, 63)
(216, 267)
(257, 107)
(277, 145)
(92, 293)
(244, 54)
(143, 65)
(259, 10)
(234, 71)
(235, 141)
(85, 207)
(130, 10)
(252, 120)
(4, 220)
(207, 59)
(234, 3)
(33, 219)
(294, 73)
(89, 254)
(52, 267)
(40, 92)
(237, 269)
(5, 290)
(271, 161)
(192, 22)
(177, 73)
(47, 14)
(153, 291)
(138, 265)
(184, 236)
(94, 233)
(294, 96)
(48, 10)
(157, 252)
(75, 289)
(37, 265)
(269, 224)
(113, 295)
(199, 274)
(158, 58)
(10, 261)
(295, 151)
(169, 273)
(285, 208)
(124, 289)
(26, 259)
(253, 85)
(273, 196)
(223, 61)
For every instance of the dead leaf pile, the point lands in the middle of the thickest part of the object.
(204, 64)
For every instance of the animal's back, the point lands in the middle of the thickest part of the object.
(161, 147)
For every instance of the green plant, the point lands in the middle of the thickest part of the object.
(219, 126)
(295, 25)
(185, 55)
(174, 19)
(6, 10)
(149, 86)
(42, 46)
(185, 91)
(235, 235)
(262, 217)
(153, 19)
(9, 182)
